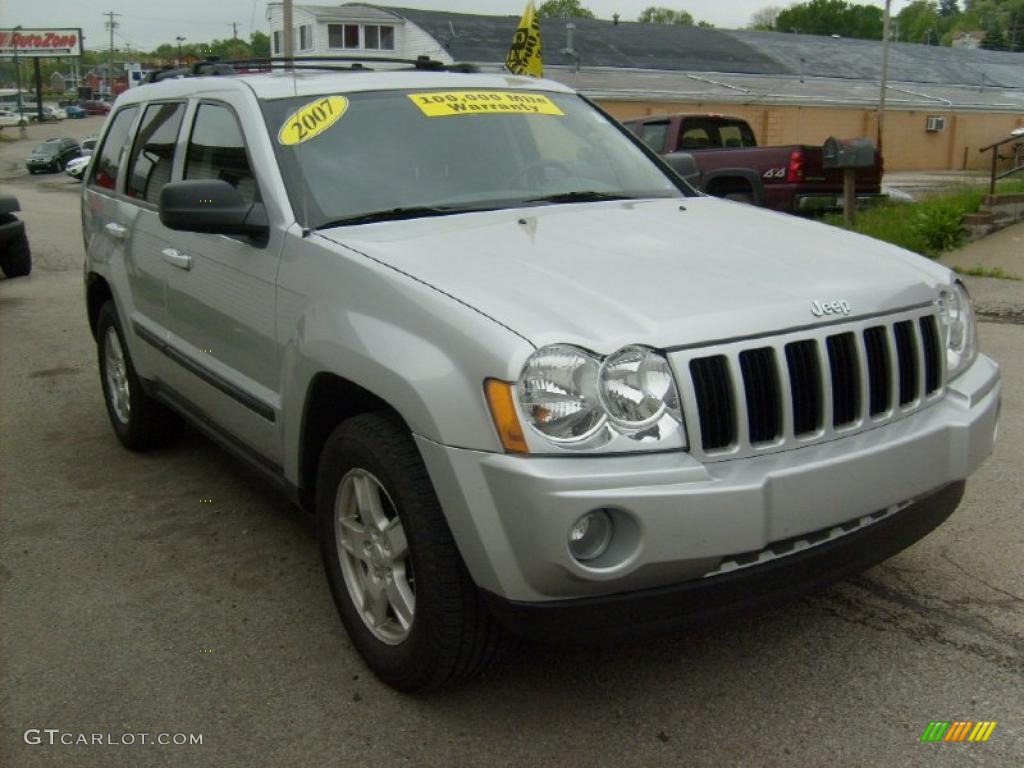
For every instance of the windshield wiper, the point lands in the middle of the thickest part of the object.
(581, 196)
(396, 214)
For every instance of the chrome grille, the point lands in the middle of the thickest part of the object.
(774, 393)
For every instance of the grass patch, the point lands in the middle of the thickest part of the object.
(980, 271)
(929, 226)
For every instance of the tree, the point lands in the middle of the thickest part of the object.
(662, 15)
(564, 9)
(764, 19)
(994, 39)
(832, 17)
(921, 22)
(948, 8)
(260, 45)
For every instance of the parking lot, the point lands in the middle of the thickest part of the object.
(175, 593)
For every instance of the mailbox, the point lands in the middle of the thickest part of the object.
(848, 153)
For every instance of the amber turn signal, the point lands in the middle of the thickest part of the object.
(503, 411)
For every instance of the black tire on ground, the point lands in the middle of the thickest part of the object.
(16, 260)
(452, 635)
(32, 171)
(149, 423)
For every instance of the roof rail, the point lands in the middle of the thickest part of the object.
(214, 66)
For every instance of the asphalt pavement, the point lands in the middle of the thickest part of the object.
(175, 593)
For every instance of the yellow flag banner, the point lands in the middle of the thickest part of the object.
(524, 56)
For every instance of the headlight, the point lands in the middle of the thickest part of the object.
(958, 326)
(637, 388)
(558, 392)
(575, 400)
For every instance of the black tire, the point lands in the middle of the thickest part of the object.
(149, 424)
(17, 258)
(452, 635)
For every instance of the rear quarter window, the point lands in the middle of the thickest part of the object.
(111, 154)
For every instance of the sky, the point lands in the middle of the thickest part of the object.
(144, 24)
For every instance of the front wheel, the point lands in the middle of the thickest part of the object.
(398, 581)
(140, 422)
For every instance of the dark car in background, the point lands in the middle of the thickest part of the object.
(15, 256)
(75, 112)
(720, 155)
(52, 155)
(94, 106)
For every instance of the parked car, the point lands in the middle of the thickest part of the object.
(74, 112)
(9, 119)
(52, 155)
(78, 166)
(94, 106)
(89, 144)
(720, 155)
(58, 113)
(525, 378)
(15, 256)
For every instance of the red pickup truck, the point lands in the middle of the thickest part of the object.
(719, 154)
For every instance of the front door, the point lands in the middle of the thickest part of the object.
(221, 300)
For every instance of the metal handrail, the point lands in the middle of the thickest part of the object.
(1018, 156)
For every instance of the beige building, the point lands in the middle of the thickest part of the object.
(943, 104)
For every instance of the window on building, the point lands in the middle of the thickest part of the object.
(108, 162)
(216, 150)
(343, 35)
(277, 42)
(378, 37)
(305, 37)
(149, 165)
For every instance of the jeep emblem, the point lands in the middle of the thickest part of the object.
(837, 307)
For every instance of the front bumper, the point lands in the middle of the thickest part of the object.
(818, 202)
(511, 515)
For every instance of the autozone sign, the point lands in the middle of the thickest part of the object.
(41, 42)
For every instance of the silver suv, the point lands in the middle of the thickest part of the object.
(523, 375)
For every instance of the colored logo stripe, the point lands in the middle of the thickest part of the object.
(958, 730)
(982, 731)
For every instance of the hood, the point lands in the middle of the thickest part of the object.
(665, 273)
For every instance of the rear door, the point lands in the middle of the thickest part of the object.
(221, 298)
(109, 219)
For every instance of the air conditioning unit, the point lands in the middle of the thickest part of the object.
(935, 123)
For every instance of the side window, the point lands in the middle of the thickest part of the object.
(216, 150)
(654, 135)
(149, 165)
(104, 173)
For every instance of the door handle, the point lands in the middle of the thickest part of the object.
(116, 230)
(176, 258)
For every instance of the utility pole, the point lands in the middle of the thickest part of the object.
(885, 72)
(111, 25)
(287, 42)
(234, 30)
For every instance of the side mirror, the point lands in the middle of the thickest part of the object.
(212, 206)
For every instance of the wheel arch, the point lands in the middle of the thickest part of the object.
(725, 180)
(97, 293)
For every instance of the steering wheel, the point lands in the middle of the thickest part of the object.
(534, 167)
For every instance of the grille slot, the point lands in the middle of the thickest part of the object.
(906, 356)
(932, 352)
(805, 385)
(715, 405)
(761, 386)
(876, 344)
(842, 361)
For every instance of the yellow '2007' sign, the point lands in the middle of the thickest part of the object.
(445, 103)
(312, 119)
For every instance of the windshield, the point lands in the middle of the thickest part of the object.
(417, 153)
(45, 150)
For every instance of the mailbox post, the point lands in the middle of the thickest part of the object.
(848, 155)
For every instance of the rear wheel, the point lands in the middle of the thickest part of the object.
(740, 197)
(398, 581)
(140, 422)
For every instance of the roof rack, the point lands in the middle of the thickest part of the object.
(213, 66)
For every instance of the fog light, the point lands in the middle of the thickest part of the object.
(590, 536)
